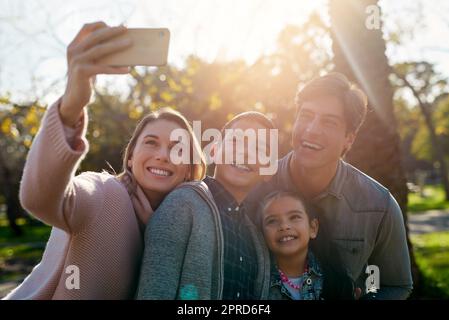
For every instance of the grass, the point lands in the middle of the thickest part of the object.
(432, 257)
(434, 199)
(18, 255)
(32, 233)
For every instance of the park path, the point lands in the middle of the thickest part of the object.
(429, 221)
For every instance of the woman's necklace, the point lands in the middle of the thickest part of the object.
(286, 280)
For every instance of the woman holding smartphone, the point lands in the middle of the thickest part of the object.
(96, 243)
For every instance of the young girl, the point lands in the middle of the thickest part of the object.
(304, 267)
(96, 243)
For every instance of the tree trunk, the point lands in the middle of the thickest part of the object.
(12, 202)
(12, 209)
(359, 53)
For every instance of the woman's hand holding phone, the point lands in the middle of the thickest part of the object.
(93, 42)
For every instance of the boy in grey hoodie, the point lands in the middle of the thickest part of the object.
(200, 243)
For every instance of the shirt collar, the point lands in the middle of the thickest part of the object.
(314, 268)
(334, 188)
(223, 198)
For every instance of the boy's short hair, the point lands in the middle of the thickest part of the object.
(353, 100)
(256, 116)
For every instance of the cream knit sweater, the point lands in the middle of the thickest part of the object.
(95, 229)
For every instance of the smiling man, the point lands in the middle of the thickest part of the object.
(364, 219)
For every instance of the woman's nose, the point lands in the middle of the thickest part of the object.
(163, 154)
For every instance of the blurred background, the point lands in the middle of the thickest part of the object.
(231, 56)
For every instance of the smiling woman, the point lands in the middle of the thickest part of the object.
(147, 162)
(97, 218)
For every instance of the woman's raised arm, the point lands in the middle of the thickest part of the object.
(48, 188)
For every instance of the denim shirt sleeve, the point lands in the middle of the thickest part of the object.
(391, 255)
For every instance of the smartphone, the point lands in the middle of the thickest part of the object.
(149, 48)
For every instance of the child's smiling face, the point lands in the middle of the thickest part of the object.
(286, 226)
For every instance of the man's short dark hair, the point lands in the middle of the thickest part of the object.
(336, 85)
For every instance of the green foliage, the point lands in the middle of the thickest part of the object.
(35, 231)
(433, 199)
(432, 256)
(18, 125)
(432, 89)
(18, 255)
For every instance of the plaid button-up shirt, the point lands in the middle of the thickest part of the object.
(240, 261)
